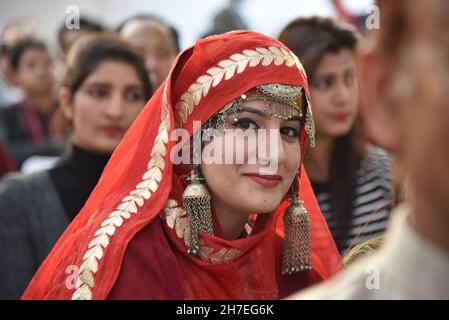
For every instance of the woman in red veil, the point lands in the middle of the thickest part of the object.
(147, 232)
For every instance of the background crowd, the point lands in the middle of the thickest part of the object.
(64, 109)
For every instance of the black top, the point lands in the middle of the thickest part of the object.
(16, 126)
(75, 176)
(16, 132)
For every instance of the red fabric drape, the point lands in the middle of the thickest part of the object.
(139, 180)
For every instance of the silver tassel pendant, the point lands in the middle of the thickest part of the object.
(196, 202)
(297, 243)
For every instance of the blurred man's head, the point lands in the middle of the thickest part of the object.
(157, 41)
(405, 87)
(67, 37)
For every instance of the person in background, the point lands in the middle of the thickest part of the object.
(26, 127)
(404, 82)
(104, 90)
(16, 30)
(351, 179)
(6, 163)
(67, 37)
(156, 39)
(9, 94)
(228, 19)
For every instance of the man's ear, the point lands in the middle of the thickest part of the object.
(377, 111)
(65, 103)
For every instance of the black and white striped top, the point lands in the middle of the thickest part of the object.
(373, 191)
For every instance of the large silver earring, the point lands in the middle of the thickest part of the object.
(196, 201)
(297, 243)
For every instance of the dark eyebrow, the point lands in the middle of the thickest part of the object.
(108, 85)
(322, 75)
(134, 86)
(98, 84)
(265, 115)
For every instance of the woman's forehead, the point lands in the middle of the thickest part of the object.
(266, 105)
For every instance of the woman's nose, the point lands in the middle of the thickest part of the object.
(342, 93)
(115, 107)
(271, 151)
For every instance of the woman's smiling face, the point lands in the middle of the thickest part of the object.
(259, 182)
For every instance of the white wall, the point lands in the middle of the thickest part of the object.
(190, 17)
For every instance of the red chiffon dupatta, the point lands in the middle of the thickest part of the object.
(138, 196)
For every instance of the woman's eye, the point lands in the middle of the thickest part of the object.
(323, 83)
(291, 132)
(349, 79)
(133, 96)
(162, 54)
(246, 124)
(98, 92)
(31, 65)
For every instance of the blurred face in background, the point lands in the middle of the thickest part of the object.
(405, 103)
(34, 73)
(420, 102)
(334, 94)
(425, 111)
(16, 30)
(104, 106)
(156, 44)
(71, 36)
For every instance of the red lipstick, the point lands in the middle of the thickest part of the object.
(340, 116)
(112, 130)
(265, 180)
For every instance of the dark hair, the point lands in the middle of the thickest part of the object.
(311, 39)
(4, 50)
(21, 47)
(91, 51)
(85, 23)
(153, 18)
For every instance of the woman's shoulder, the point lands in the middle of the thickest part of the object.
(377, 159)
(18, 184)
(27, 193)
(375, 171)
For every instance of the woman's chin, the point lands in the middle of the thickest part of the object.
(264, 206)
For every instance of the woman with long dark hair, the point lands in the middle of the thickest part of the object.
(351, 179)
(104, 90)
